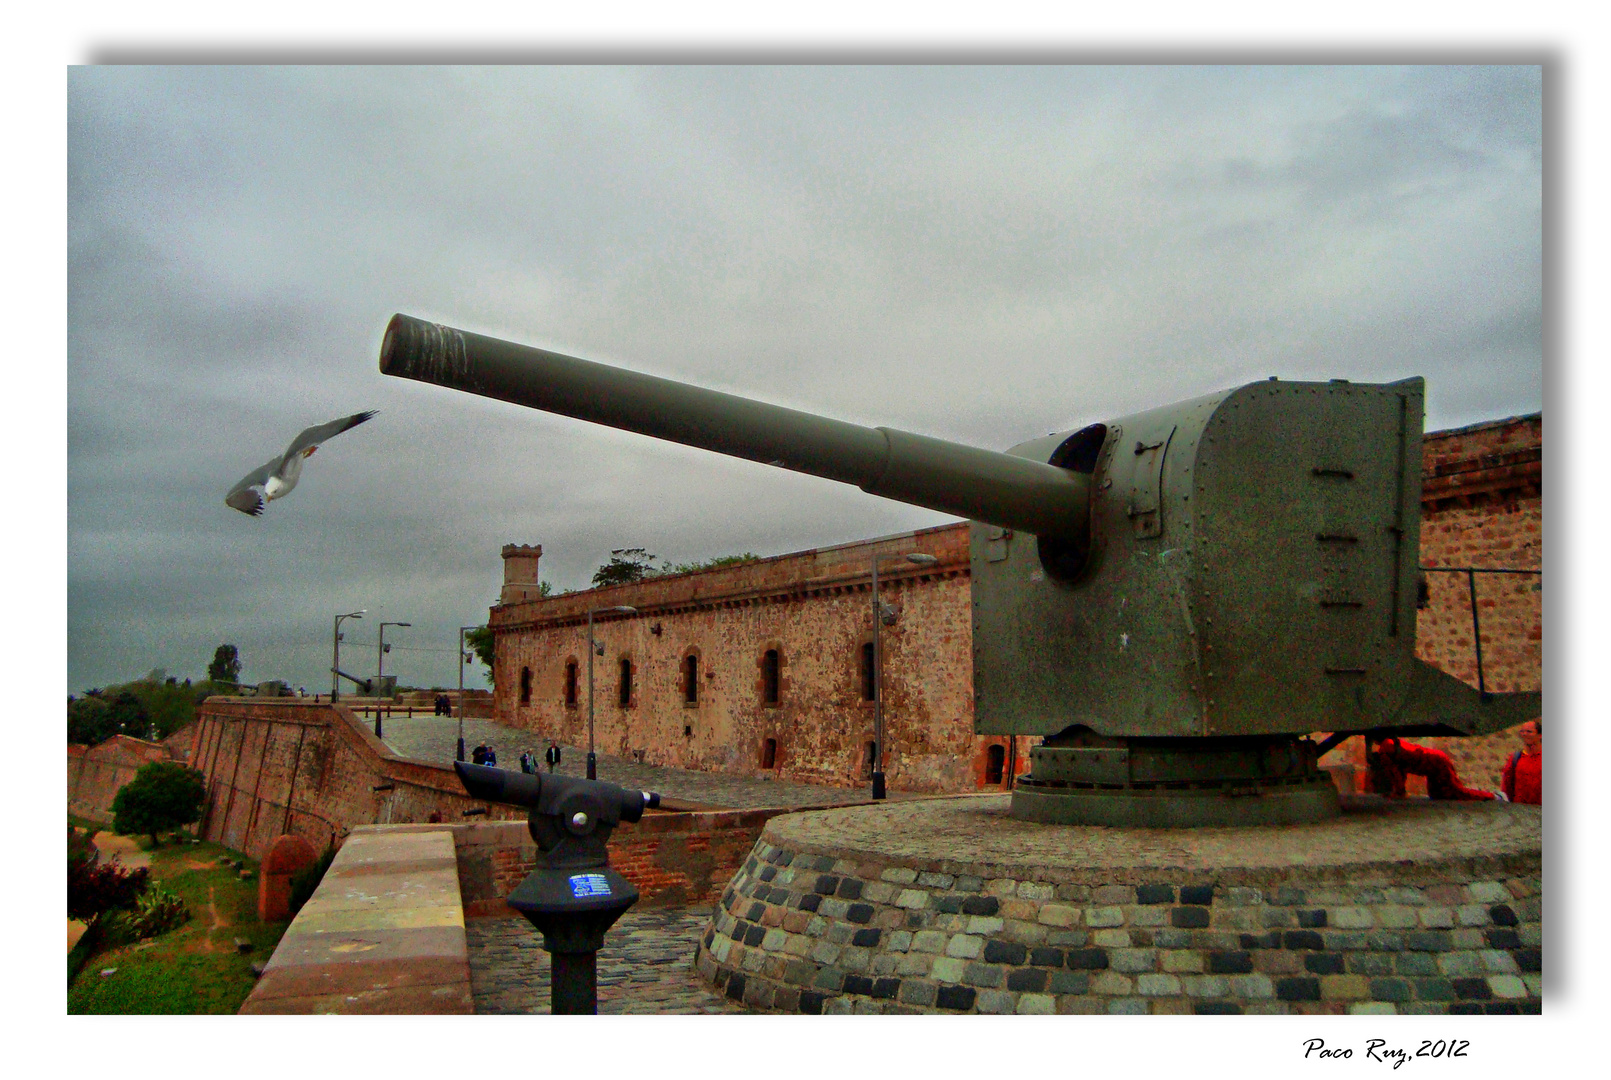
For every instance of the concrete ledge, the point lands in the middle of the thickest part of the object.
(384, 933)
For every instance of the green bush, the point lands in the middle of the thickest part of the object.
(306, 880)
(155, 911)
(162, 796)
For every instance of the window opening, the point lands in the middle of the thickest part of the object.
(995, 763)
(769, 754)
(769, 677)
(869, 758)
(626, 682)
(690, 679)
(525, 686)
(570, 682)
(868, 689)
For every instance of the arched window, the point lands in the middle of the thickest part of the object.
(626, 682)
(769, 754)
(570, 683)
(868, 687)
(995, 763)
(525, 686)
(770, 677)
(690, 679)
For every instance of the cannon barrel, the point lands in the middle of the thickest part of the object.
(985, 485)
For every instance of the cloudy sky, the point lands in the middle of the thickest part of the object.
(983, 254)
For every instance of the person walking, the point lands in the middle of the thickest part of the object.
(525, 761)
(552, 755)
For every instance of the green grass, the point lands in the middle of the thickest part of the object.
(195, 968)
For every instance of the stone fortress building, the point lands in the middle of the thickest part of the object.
(765, 667)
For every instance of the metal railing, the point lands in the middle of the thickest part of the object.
(1471, 573)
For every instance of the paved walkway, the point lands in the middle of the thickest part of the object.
(645, 967)
(434, 738)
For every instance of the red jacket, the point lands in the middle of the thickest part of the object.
(1523, 780)
(1397, 759)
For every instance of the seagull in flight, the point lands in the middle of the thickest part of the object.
(275, 479)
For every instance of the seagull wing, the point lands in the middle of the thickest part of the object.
(247, 496)
(320, 432)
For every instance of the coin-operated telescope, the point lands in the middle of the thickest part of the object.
(1175, 600)
(573, 896)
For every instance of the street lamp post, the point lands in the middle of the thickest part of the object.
(460, 752)
(592, 647)
(380, 666)
(878, 670)
(335, 653)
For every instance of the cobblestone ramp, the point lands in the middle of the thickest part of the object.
(645, 966)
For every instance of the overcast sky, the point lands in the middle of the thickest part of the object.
(982, 254)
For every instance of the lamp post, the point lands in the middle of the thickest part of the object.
(878, 669)
(459, 754)
(592, 647)
(380, 648)
(335, 653)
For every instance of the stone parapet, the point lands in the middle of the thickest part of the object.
(951, 906)
(384, 933)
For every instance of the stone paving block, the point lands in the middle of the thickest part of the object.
(948, 969)
(967, 946)
(1156, 984)
(1037, 1005)
(1104, 916)
(1058, 915)
(914, 964)
(1112, 984)
(1488, 892)
(1001, 887)
(1372, 1008)
(1131, 961)
(900, 875)
(1035, 890)
(1351, 918)
(1151, 916)
(1507, 986)
(984, 924)
(912, 899)
(1128, 1007)
(1182, 961)
(1437, 917)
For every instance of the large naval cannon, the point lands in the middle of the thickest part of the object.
(1176, 600)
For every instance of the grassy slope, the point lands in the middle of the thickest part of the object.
(196, 968)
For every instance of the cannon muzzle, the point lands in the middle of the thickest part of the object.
(985, 485)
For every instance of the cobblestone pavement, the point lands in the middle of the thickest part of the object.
(434, 738)
(645, 967)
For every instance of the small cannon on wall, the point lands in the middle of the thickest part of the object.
(1175, 600)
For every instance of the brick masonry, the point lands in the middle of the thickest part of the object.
(884, 927)
(1482, 505)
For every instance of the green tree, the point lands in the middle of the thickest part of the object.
(162, 796)
(226, 665)
(481, 642)
(626, 565)
(89, 719)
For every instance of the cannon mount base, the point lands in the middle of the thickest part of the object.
(1080, 778)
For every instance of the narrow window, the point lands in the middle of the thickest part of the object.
(570, 682)
(995, 763)
(525, 686)
(626, 682)
(690, 679)
(769, 677)
(870, 758)
(769, 754)
(867, 686)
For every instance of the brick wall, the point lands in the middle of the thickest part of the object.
(1481, 505)
(673, 858)
(814, 608)
(94, 773)
(291, 765)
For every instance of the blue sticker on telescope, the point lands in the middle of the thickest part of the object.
(583, 885)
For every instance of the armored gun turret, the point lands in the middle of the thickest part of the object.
(1175, 600)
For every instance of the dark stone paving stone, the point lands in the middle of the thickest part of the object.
(645, 967)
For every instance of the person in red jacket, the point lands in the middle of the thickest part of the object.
(1391, 759)
(1523, 780)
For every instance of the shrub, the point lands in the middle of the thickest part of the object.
(94, 888)
(156, 910)
(306, 880)
(162, 796)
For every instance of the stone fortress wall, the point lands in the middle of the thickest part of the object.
(1482, 505)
